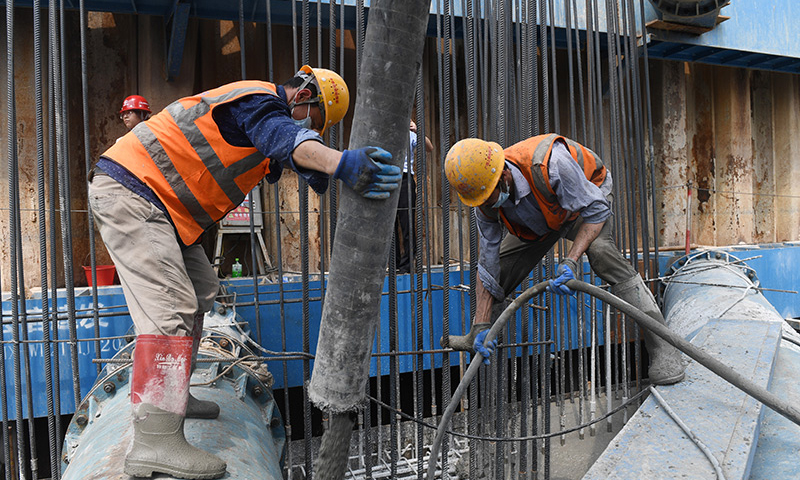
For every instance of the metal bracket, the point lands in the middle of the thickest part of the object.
(176, 26)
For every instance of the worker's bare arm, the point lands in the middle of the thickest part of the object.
(316, 156)
(587, 232)
(428, 145)
(483, 309)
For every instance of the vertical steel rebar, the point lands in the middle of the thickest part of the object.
(251, 211)
(471, 88)
(42, 213)
(15, 240)
(52, 202)
(636, 155)
(394, 368)
(427, 221)
(650, 161)
(304, 268)
(62, 161)
(445, 127)
(594, 365)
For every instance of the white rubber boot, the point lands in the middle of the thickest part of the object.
(159, 394)
(666, 366)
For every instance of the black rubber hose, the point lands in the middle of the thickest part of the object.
(727, 373)
(645, 321)
(474, 365)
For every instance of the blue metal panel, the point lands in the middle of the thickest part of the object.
(755, 26)
(271, 326)
(111, 326)
(770, 264)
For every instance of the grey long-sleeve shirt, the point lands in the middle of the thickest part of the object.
(574, 193)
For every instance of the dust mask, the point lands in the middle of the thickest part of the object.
(303, 122)
(501, 199)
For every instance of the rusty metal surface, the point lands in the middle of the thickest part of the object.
(732, 132)
(728, 132)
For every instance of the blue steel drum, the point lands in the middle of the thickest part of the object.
(248, 434)
(690, 299)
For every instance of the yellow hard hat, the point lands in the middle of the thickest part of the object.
(473, 167)
(334, 97)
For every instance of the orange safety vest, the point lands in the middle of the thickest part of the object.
(532, 156)
(180, 154)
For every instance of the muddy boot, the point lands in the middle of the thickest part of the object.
(464, 342)
(197, 408)
(159, 393)
(666, 366)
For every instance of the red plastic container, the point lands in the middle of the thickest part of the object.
(105, 275)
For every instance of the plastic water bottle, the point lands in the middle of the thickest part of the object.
(236, 269)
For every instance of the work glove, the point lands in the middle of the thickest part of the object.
(564, 273)
(365, 171)
(485, 350)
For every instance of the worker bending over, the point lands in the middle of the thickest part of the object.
(542, 189)
(172, 177)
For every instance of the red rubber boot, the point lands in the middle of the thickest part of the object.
(159, 394)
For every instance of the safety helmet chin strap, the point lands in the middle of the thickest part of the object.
(308, 78)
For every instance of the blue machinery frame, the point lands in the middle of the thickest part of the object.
(760, 35)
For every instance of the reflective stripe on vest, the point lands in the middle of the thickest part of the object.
(181, 155)
(532, 156)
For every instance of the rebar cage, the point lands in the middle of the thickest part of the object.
(502, 70)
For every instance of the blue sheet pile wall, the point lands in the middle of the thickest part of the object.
(774, 264)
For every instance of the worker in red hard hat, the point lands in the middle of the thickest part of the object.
(135, 109)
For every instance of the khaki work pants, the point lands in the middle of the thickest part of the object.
(164, 285)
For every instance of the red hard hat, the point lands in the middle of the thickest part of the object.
(135, 102)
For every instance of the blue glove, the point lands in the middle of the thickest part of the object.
(363, 170)
(564, 273)
(485, 350)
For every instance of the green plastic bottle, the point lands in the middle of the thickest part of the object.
(236, 269)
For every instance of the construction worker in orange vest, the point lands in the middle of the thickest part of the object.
(542, 189)
(172, 177)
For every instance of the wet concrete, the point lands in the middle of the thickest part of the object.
(333, 453)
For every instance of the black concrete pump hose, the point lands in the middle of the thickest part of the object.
(645, 321)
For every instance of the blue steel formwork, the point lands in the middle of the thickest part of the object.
(241, 291)
(769, 260)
